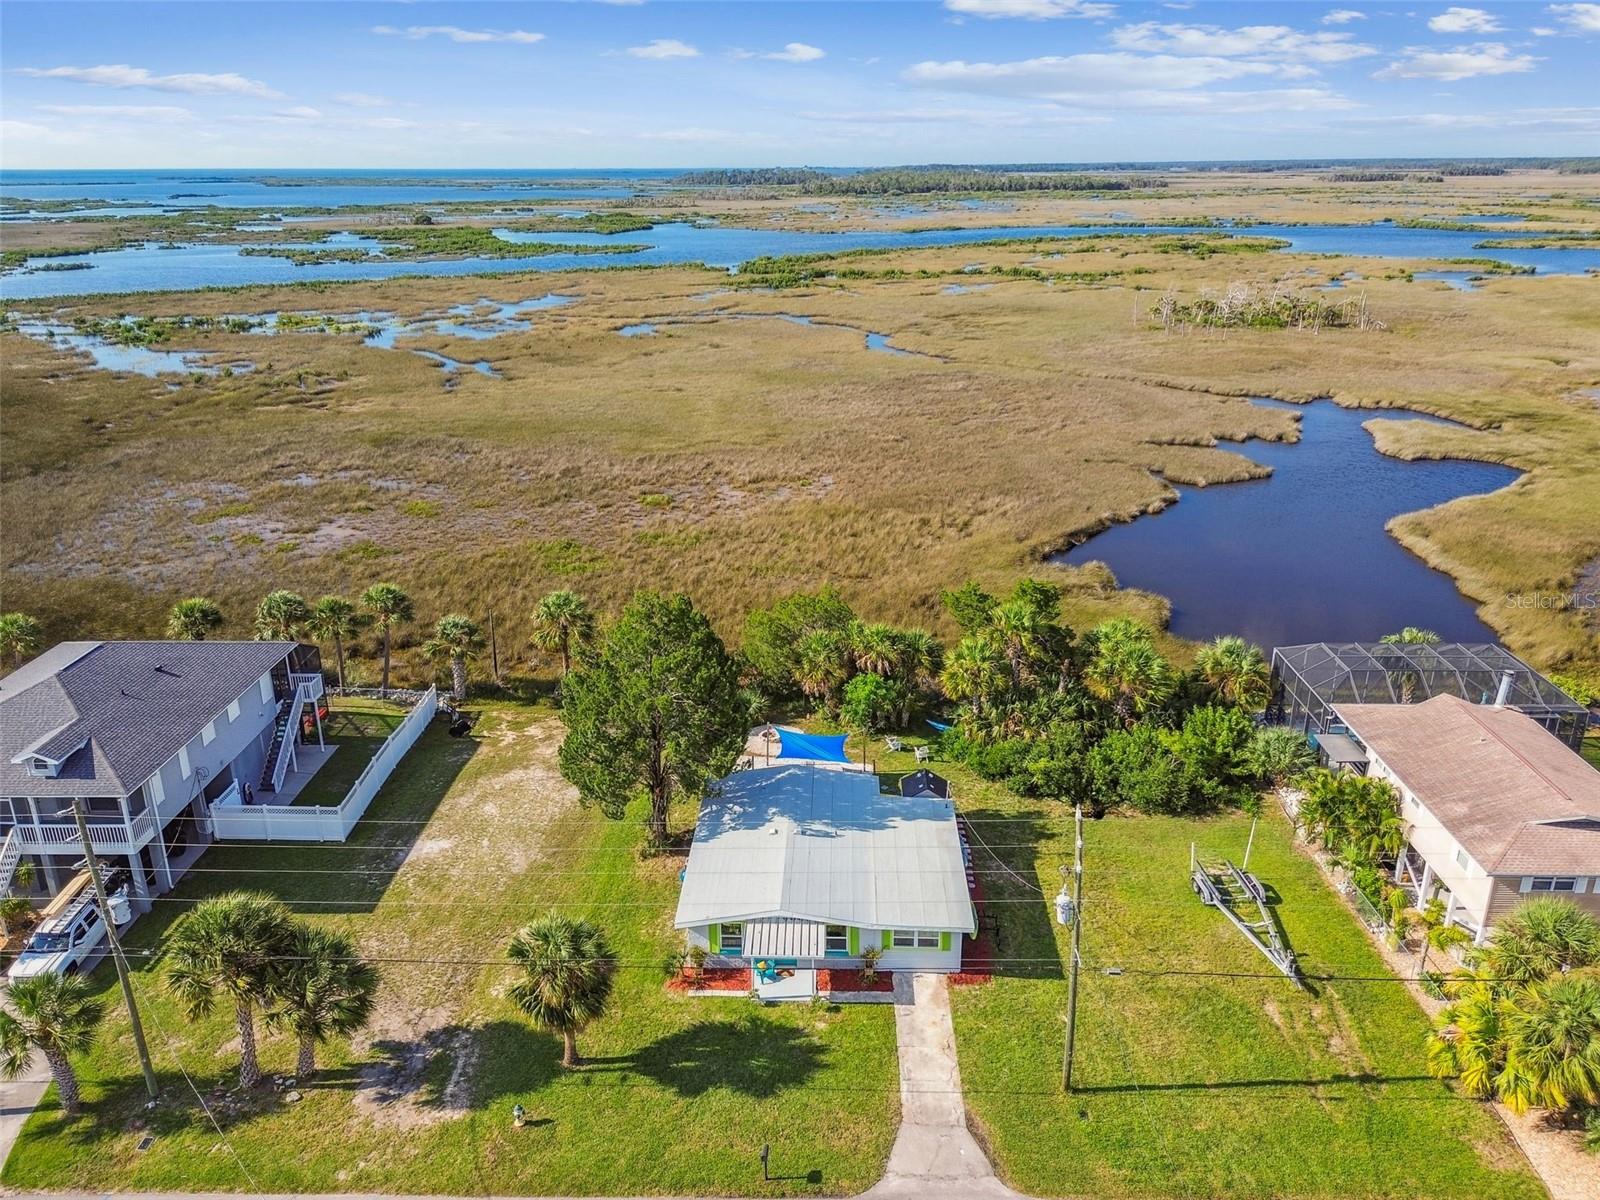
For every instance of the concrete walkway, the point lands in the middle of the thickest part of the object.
(17, 1100)
(934, 1153)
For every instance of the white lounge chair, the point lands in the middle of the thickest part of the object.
(924, 754)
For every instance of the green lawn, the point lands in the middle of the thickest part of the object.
(1591, 749)
(1192, 1085)
(679, 1096)
(358, 727)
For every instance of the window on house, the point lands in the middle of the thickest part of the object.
(183, 761)
(733, 939)
(836, 939)
(208, 733)
(266, 689)
(1552, 883)
(1461, 858)
(916, 939)
(233, 711)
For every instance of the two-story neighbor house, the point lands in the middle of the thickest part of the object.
(1495, 807)
(148, 735)
(806, 865)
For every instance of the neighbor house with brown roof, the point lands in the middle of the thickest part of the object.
(1495, 807)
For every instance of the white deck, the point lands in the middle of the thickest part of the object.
(801, 985)
(308, 761)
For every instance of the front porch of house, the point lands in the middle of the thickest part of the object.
(1415, 874)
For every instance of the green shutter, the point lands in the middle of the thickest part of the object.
(888, 939)
(715, 934)
(855, 941)
(944, 940)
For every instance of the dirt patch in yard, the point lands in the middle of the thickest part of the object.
(402, 1085)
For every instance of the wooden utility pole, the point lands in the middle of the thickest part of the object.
(1077, 932)
(116, 949)
(494, 652)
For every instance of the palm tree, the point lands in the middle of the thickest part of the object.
(1553, 1043)
(972, 674)
(326, 991)
(332, 619)
(236, 944)
(921, 657)
(1469, 1041)
(567, 975)
(824, 666)
(193, 618)
(563, 620)
(1126, 670)
(457, 638)
(876, 648)
(391, 606)
(280, 615)
(57, 1015)
(19, 636)
(1411, 636)
(1236, 672)
(1020, 628)
(1539, 938)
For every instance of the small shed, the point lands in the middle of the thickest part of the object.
(923, 782)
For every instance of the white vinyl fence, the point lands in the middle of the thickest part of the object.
(308, 823)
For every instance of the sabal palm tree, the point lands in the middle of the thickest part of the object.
(235, 944)
(1019, 627)
(1411, 636)
(391, 606)
(921, 658)
(876, 648)
(1130, 675)
(193, 618)
(561, 622)
(823, 667)
(567, 976)
(1553, 1043)
(1539, 938)
(457, 638)
(19, 636)
(1469, 1041)
(280, 615)
(326, 990)
(333, 619)
(973, 673)
(56, 1015)
(1236, 672)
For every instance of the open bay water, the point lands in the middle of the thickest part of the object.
(153, 267)
(1303, 555)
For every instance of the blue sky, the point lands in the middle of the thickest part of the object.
(670, 83)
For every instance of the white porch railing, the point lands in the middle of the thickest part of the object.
(233, 821)
(306, 690)
(112, 838)
(312, 683)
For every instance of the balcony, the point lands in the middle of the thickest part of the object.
(310, 683)
(109, 837)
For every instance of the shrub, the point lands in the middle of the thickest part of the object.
(1136, 768)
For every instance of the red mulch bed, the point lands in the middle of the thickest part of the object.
(835, 979)
(713, 979)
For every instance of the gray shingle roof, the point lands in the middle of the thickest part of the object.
(818, 844)
(115, 711)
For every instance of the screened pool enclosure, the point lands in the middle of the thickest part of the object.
(1307, 681)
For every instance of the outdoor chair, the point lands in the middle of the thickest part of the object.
(894, 744)
(924, 754)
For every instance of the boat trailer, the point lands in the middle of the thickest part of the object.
(1241, 898)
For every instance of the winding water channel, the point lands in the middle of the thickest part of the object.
(1303, 555)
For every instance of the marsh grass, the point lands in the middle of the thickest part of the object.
(791, 455)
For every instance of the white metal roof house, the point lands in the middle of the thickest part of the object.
(1496, 808)
(150, 736)
(804, 866)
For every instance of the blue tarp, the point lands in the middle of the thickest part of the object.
(939, 725)
(822, 747)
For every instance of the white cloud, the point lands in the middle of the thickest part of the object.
(121, 75)
(1465, 20)
(1030, 10)
(25, 130)
(455, 33)
(363, 100)
(1269, 41)
(135, 112)
(664, 48)
(796, 52)
(1584, 18)
(1463, 62)
(1531, 120)
(1543, 31)
(1054, 76)
(1343, 16)
(987, 118)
